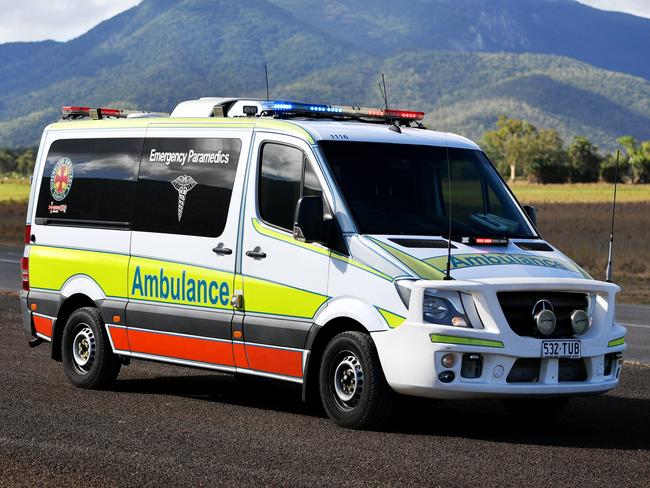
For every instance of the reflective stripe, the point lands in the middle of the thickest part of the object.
(273, 360)
(43, 325)
(418, 267)
(181, 347)
(266, 297)
(51, 267)
(269, 232)
(616, 342)
(392, 319)
(466, 341)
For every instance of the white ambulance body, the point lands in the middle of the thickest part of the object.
(307, 243)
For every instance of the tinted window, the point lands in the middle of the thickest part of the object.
(279, 187)
(403, 189)
(90, 180)
(185, 185)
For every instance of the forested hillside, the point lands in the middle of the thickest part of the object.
(465, 62)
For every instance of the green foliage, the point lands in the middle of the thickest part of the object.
(548, 158)
(509, 145)
(639, 158)
(17, 163)
(608, 169)
(584, 161)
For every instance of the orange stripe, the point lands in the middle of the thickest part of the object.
(192, 349)
(119, 338)
(278, 361)
(43, 325)
(240, 355)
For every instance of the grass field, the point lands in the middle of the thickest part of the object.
(574, 218)
(14, 190)
(529, 193)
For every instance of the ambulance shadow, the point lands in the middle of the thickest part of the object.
(243, 390)
(602, 422)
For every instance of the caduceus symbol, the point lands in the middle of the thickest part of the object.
(183, 184)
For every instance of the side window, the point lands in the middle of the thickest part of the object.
(91, 181)
(281, 171)
(185, 185)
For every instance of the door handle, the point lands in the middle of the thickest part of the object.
(222, 251)
(256, 253)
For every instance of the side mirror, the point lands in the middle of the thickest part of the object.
(308, 222)
(532, 213)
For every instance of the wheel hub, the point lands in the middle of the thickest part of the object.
(348, 380)
(83, 349)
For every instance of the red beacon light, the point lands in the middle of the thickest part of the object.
(73, 112)
(485, 241)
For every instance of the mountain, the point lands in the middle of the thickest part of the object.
(465, 62)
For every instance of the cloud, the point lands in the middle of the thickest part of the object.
(640, 8)
(36, 20)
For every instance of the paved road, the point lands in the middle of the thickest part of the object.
(637, 317)
(163, 425)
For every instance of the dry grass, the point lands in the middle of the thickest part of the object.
(581, 231)
(534, 194)
(12, 222)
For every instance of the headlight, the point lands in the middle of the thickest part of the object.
(440, 310)
(439, 307)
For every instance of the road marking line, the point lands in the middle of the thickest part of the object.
(9, 261)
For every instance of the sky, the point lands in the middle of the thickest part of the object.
(635, 7)
(61, 20)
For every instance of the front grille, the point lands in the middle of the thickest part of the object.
(518, 306)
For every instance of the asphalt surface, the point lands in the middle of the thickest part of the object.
(166, 425)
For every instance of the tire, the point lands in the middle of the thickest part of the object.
(538, 410)
(88, 360)
(353, 388)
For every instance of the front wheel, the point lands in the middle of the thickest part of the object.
(353, 388)
(87, 357)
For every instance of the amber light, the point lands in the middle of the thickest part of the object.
(117, 319)
(237, 334)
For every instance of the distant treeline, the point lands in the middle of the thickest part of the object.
(17, 162)
(517, 148)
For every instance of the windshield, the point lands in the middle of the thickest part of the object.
(403, 189)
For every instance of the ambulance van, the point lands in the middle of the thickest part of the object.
(346, 249)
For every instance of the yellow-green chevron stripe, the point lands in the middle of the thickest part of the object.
(420, 268)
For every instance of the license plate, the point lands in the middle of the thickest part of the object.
(561, 349)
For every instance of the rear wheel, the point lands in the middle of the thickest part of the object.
(353, 389)
(536, 409)
(88, 361)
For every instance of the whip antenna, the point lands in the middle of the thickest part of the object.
(266, 76)
(448, 275)
(608, 273)
(382, 90)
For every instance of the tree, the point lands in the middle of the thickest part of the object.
(509, 145)
(608, 168)
(548, 159)
(25, 162)
(584, 161)
(639, 157)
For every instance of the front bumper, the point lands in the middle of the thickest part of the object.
(411, 354)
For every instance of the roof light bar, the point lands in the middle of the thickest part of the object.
(73, 112)
(279, 106)
(95, 113)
